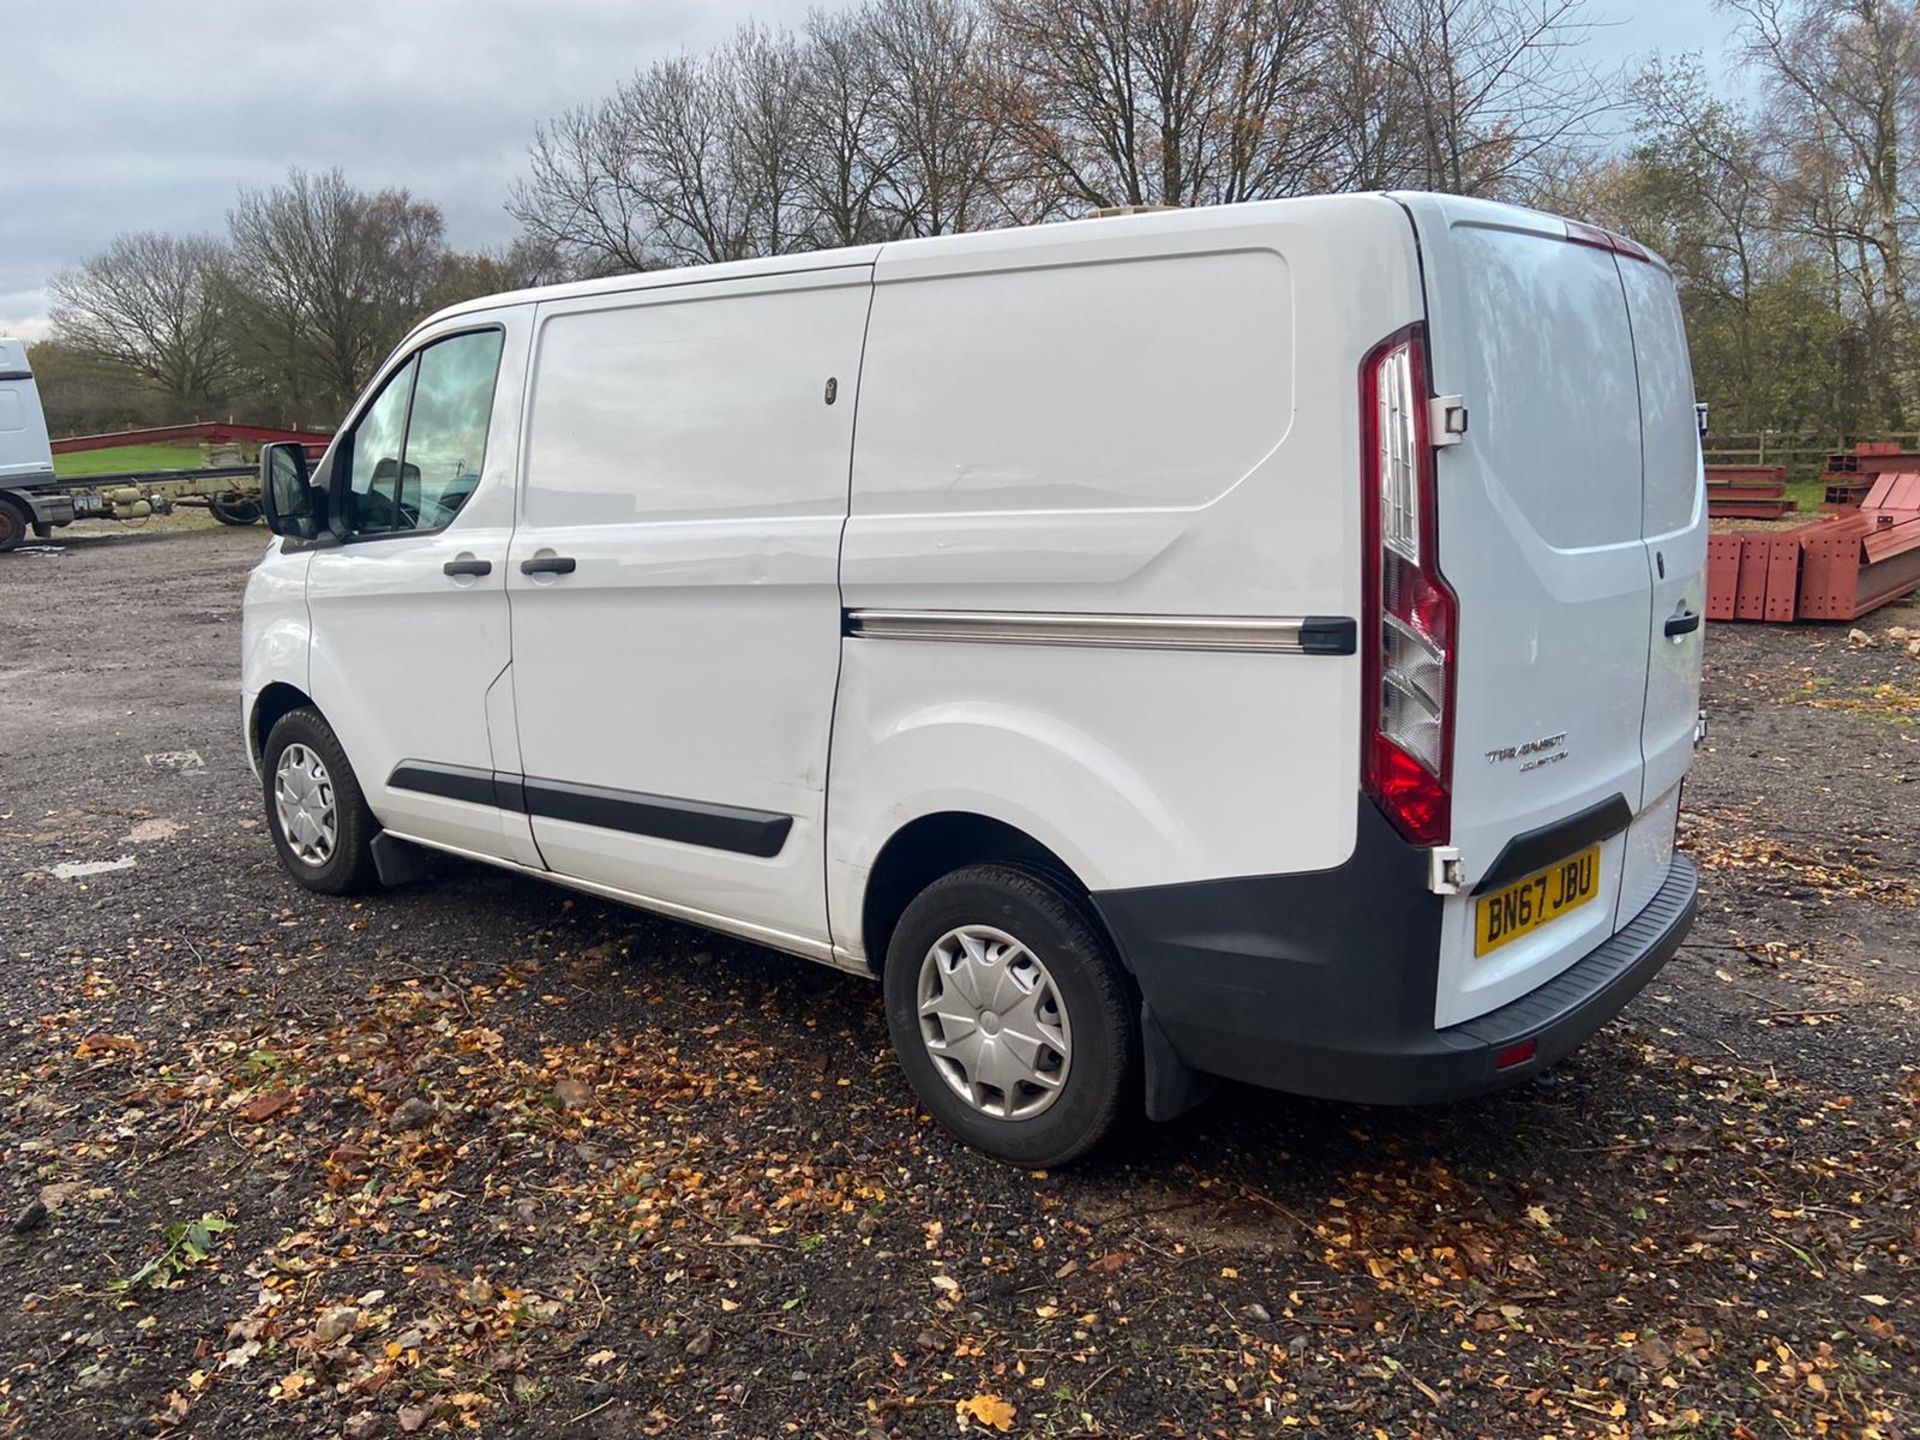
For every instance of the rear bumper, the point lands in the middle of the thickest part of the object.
(1323, 984)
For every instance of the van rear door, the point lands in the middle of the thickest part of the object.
(1541, 538)
(1674, 524)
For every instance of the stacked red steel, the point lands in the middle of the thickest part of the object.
(1839, 567)
(1747, 492)
(213, 432)
(1850, 475)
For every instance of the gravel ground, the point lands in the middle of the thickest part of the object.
(479, 1155)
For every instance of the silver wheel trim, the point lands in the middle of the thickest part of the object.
(303, 805)
(994, 1022)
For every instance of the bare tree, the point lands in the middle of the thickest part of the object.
(695, 159)
(957, 164)
(332, 277)
(1497, 91)
(1843, 109)
(152, 304)
(851, 152)
(1173, 102)
(766, 143)
(876, 123)
(584, 197)
(1376, 140)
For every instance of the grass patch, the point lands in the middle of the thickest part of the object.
(1808, 495)
(122, 458)
(1885, 702)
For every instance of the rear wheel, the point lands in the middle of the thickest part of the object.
(1010, 1016)
(14, 525)
(320, 821)
(234, 509)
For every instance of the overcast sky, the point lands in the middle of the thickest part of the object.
(123, 115)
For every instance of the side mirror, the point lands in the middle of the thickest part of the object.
(294, 507)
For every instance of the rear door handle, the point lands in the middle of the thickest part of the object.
(467, 567)
(547, 565)
(1684, 623)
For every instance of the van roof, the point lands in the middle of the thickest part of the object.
(13, 358)
(933, 248)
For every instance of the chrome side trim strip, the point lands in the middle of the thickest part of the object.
(1306, 635)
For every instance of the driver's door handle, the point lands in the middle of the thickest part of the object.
(547, 565)
(1684, 623)
(467, 567)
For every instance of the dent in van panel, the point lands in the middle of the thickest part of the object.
(999, 391)
(702, 407)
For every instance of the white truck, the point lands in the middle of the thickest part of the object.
(1260, 641)
(26, 456)
(34, 500)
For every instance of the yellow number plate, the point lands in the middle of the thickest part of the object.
(1541, 898)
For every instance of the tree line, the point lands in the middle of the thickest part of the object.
(1785, 215)
(281, 320)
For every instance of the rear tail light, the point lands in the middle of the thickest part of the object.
(1408, 614)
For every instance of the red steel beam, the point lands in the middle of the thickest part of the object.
(1723, 575)
(1783, 577)
(215, 431)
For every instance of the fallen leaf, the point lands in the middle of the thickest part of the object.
(988, 1410)
(265, 1107)
(101, 1043)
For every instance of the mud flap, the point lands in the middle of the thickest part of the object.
(1173, 1086)
(397, 862)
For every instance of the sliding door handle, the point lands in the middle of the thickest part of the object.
(467, 567)
(1685, 623)
(547, 565)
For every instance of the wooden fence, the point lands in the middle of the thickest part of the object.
(1805, 456)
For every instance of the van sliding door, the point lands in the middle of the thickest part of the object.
(674, 588)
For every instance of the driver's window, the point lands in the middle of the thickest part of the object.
(447, 435)
(373, 459)
(416, 454)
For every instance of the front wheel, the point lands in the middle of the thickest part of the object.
(1015, 1025)
(14, 524)
(320, 821)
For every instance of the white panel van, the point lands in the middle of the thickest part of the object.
(1259, 642)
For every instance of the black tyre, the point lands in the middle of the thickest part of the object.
(234, 509)
(320, 821)
(1014, 1023)
(14, 525)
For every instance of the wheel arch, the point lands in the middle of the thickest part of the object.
(936, 844)
(275, 700)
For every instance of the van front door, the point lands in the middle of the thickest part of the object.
(409, 610)
(674, 591)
